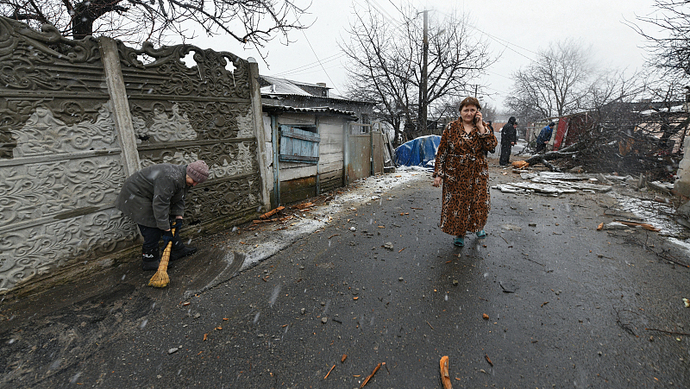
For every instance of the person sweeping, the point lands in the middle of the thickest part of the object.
(154, 198)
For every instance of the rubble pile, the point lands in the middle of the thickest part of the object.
(631, 149)
(554, 184)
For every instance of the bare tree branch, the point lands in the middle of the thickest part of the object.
(385, 65)
(253, 22)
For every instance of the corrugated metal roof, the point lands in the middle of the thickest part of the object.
(280, 86)
(326, 110)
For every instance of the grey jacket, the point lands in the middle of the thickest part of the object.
(154, 194)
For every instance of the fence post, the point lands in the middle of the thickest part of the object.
(262, 139)
(120, 105)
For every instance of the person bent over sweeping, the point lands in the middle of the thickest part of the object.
(154, 198)
(462, 169)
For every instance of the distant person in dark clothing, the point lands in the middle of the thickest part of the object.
(508, 140)
(544, 136)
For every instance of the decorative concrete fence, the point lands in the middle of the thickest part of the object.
(78, 117)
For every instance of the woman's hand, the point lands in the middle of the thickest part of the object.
(437, 181)
(480, 123)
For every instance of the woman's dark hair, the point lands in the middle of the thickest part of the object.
(470, 101)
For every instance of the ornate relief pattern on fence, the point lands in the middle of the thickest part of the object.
(42, 68)
(188, 104)
(60, 163)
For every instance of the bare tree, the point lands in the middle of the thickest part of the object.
(555, 84)
(253, 22)
(385, 64)
(671, 49)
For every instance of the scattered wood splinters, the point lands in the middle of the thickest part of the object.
(271, 212)
(329, 372)
(445, 376)
(544, 303)
(371, 375)
(427, 322)
(401, 249)
(488, 360)
(205, 336)
(343, 358)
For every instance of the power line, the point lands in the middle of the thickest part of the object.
(311, 65)
(504, 42)
(317, 58)
(373, 4)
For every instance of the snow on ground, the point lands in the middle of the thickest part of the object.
(653, 212)
(362, 191)
(659, 215)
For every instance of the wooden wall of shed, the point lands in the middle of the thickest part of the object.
(331, 156)
(298, 181)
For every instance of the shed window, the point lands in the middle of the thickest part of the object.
(299, 144)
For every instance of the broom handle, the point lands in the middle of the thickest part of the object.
(166, 256)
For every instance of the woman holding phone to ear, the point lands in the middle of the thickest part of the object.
(462, 169)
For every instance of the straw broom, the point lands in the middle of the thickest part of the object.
(161, 279)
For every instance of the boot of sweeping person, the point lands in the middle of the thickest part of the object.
(179, 250)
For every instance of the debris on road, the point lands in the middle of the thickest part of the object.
(445, 376)
(343, 358)
(686, 302)
(486, 356)
(553, 184)
(646, 226)
(329, 372)
(271, 212)
(366, 380)
(485, 316)
(507, 288)
(520, 164)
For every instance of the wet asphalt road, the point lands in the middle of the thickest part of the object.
(565, 306)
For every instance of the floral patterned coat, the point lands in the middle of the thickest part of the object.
(461, 163)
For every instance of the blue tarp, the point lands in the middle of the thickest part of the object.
(418, 151)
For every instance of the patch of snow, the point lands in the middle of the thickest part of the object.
(356, 194)
(657, 214)
(685, 244)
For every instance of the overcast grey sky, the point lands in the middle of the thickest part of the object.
(517, 30)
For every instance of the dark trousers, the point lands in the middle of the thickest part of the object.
(152, 237)
(540, 146)
(505, 154)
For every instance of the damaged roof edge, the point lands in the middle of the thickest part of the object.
(350, 115)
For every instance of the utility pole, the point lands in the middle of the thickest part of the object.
(423, 92)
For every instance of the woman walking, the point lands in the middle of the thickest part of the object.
(462, 168)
